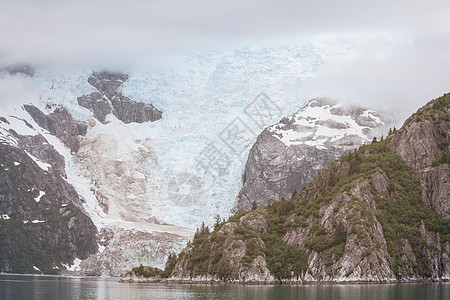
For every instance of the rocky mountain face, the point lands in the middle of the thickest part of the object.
(43, 225)
(129, 176)
(60, 123)
(75, 192)
(109, 100)
(287, 155)
(377, 214)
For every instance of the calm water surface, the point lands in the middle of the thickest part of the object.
(47, 287)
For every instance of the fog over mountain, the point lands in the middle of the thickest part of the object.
(398, 44)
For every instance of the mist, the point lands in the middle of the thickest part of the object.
(400, 50)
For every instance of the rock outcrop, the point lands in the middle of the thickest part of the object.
(370, 216)
(43, 225)
(22, 69)
(423, 143)
(286, 156)
(59, 123)
(109, 100)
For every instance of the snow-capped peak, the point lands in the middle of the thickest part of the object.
(322, 123)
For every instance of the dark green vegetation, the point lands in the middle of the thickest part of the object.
(438, 112)
(65, 232)
(149, 272)
(205, 257)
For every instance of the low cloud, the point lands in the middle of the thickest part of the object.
(401, 71)
(400, 78)
(15, 90)
(113, 31)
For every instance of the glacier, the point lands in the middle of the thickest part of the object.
(203, 95)
(214, 105)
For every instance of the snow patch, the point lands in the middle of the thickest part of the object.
(315, 125)
(36, 268)
(75, 266)
(38, 198)
(370, 114)
(37, 221)
(44, 166)
(19, 126)
(5, 217)
(16, 163)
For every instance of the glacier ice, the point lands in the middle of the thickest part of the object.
(214, 104)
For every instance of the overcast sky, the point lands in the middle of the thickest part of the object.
(408, 65)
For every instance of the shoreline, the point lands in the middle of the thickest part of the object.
(220, 282)
(59, 276)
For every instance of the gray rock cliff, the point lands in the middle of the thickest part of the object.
(109, 100)
(289, 154)
(61, 124)
(43, 224)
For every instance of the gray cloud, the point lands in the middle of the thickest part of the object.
(106, 31)
(397, 72)
(14, 90)
(400, 78)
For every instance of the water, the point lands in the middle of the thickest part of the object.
(48, 287)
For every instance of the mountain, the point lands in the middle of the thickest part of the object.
(380, 213)
(289, 154)
(70, 202)
(151, 152)
(147, 152)
(43, 225)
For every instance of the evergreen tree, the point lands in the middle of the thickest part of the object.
(295, 190)
(203, 228)
(254, 205)
(217, 224)
(197, 233)
(170, 265)
(374, 140)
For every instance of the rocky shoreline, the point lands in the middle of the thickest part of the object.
(202, 280)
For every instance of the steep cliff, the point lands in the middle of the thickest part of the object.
(376, 214)
(287, 155)
(60, 123)
(43, 225)
(109, 100)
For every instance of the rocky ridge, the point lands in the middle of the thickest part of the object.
(372, 216)
(287, 155)
(43, 227)
(109, 100)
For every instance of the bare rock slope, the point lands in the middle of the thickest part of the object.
(109, 100)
